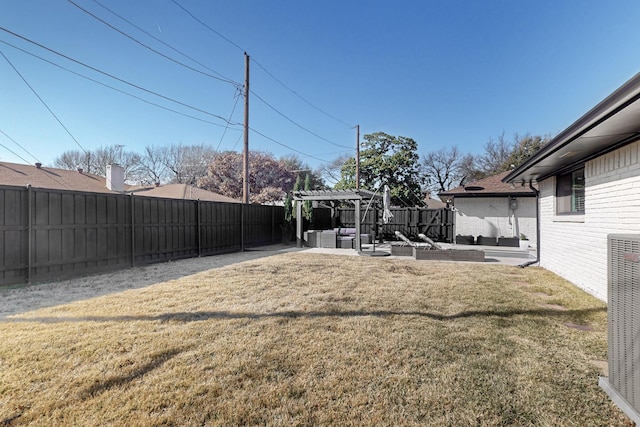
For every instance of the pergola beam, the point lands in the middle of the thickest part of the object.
(355, 196)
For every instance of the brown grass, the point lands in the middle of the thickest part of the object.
(299, 339)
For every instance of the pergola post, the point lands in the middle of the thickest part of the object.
(299, 224)
(357, 220)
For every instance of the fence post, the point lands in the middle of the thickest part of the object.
(133, 233)
(242, 213)
(29, 232)
(199, 229)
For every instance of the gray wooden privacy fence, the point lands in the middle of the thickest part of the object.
(52, 234)
(434, 223)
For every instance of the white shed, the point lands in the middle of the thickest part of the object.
(491, 208)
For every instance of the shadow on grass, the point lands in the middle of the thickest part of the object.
(157, 360)
(197, 316)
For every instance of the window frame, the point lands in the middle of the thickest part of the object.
(570, 192)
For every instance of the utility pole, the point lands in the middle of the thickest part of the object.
(357, 157)
(245, 157)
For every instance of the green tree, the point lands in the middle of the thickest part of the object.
(387, 160)
(307, 206)
(294, 164)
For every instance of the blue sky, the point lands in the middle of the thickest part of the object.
(442, 72)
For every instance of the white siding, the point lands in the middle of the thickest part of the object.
(492, 217)
(575, 247)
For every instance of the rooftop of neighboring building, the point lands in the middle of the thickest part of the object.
(489, 186)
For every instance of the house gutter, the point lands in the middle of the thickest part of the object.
(537, 260)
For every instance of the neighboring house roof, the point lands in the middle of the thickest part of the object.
(182, 191)
(611, 124)
(57, 179)
(433, 203)
(19, 175)
(491, 186)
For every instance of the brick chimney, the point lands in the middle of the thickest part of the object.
(115, 178)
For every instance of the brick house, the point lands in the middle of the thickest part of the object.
(589, 212)
(492, 208)
(589, 180)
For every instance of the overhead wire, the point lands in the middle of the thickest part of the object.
(113, 76)
(164, 43)
(262, 67)
(13, 152)
(206, 26)
(235, 104)
(298, 95)
(286, 146)
(145, 90)
(150, 48)
(296, 123)
(43, 102)
(116, 89)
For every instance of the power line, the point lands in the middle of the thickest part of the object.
(286, 146)
(230, 116)
(43, 103)
(299, 96)
(295, 123)
(164, 43)
(114, 77)
(13, 152)
(206, 26)
(258, 63)
(116, 89)
(229, 122)
(150, 48)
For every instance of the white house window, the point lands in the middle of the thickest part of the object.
(570, 192)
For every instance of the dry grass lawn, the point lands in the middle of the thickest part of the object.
(301, 339)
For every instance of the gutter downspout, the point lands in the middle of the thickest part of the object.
(537, 260)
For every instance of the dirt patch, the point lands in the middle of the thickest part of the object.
(586, 328)
(554, 307)
(602, 365)
(540, 294)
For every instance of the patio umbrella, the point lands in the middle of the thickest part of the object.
(386, 203)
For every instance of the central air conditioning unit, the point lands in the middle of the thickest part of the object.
(623, 384)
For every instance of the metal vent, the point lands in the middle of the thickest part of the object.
(623, 384)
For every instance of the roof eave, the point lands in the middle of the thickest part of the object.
(469, 195)
(624, 96)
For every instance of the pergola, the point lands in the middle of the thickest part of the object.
(355, 196)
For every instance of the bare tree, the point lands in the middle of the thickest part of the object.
(96, 161)
(188, 163)
(332, 172)
(72, 160)
(442, 168)
(496, 155)
(114, 154)
(153, 167)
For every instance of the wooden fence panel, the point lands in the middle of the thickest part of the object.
(164, 229)
(53, 234)
(14, 211)
(220, 227)
(263, 224)
(78, 233)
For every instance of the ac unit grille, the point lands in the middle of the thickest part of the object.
(624, 316)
